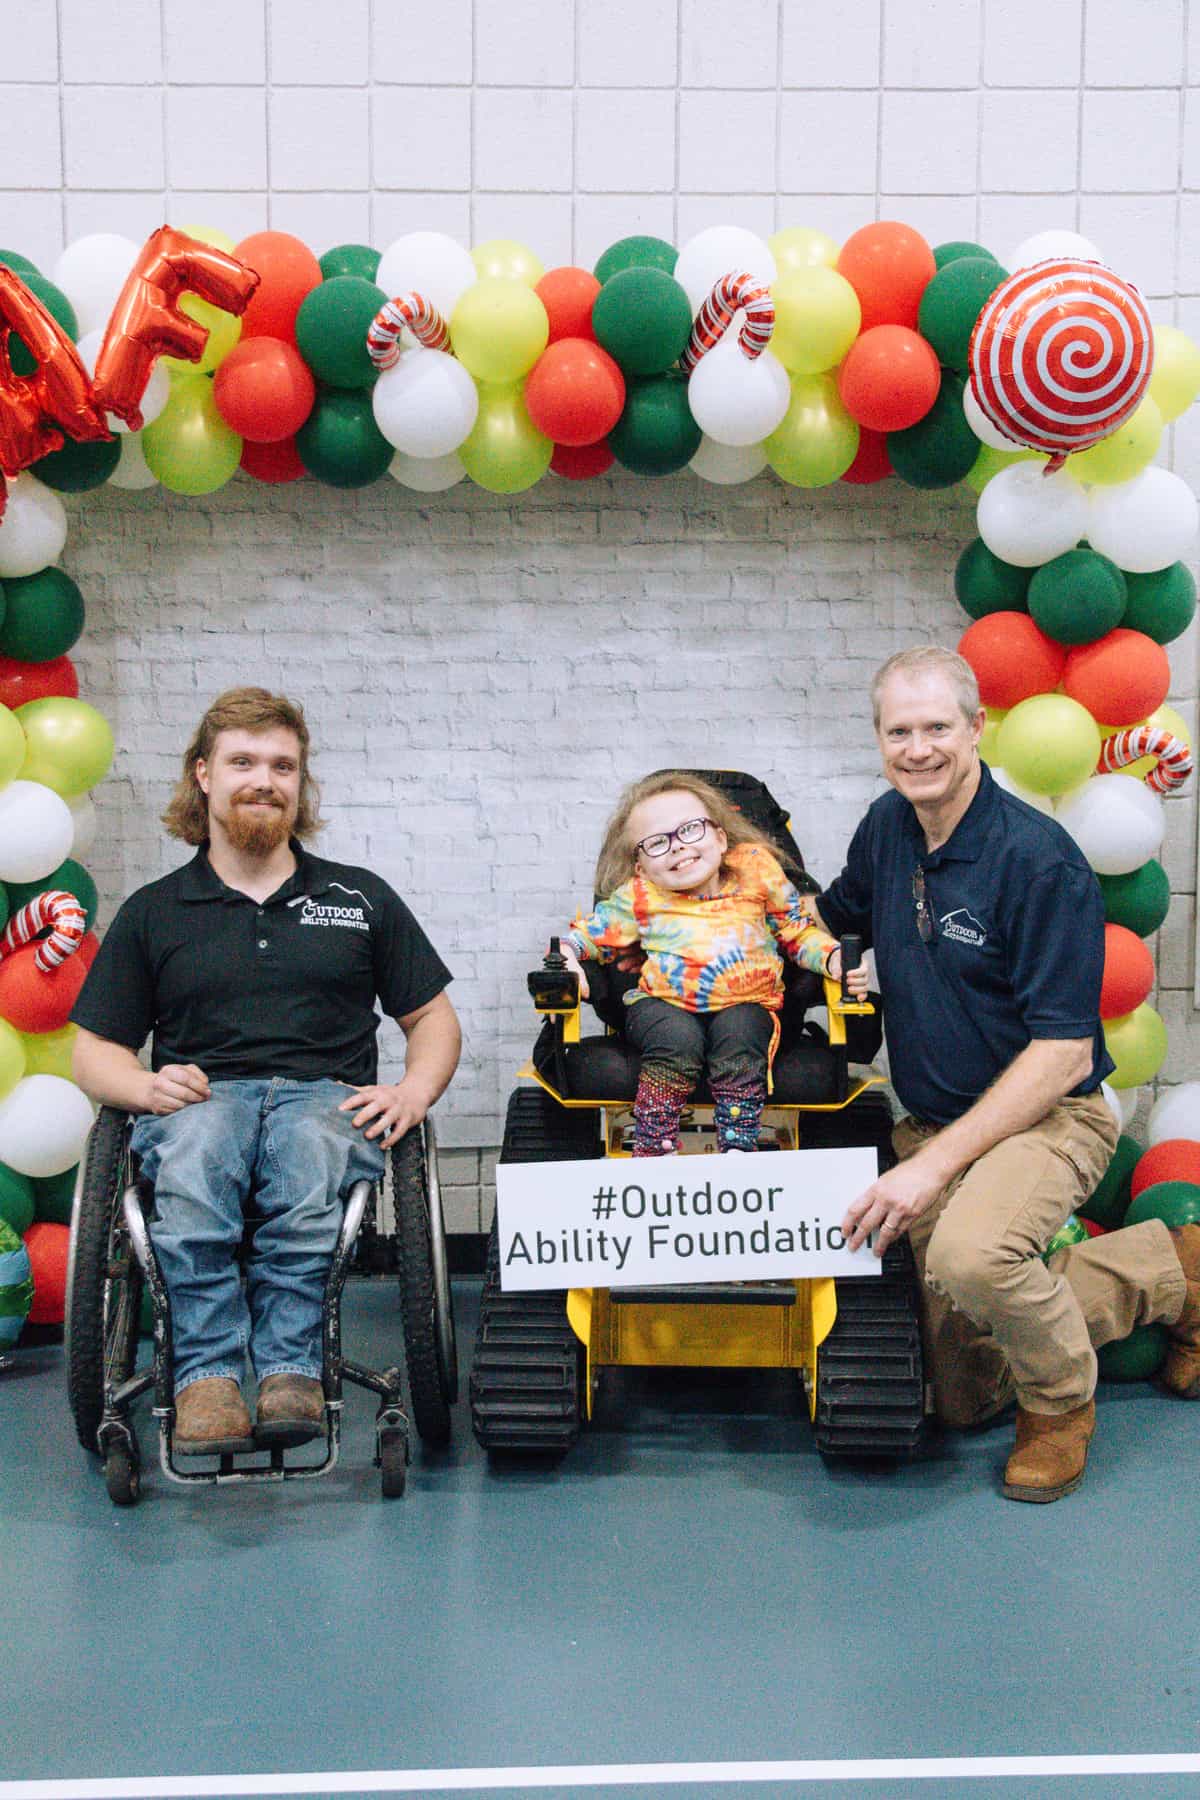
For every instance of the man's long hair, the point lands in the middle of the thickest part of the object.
(240, 709)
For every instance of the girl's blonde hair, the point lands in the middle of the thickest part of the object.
(240, 709)
(618, 859)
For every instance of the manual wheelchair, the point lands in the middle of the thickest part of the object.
(112, 1266)
(540, 1356)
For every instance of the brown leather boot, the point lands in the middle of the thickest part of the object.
(291, 1410)
(1180, 1374)
(1050, 1453)
(211, 1418)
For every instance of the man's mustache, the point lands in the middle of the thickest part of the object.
(253, 797)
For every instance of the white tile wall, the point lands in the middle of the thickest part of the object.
(221, 41)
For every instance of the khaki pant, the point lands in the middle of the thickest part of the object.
(996, 1320)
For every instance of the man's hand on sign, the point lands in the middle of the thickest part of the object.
(890, 1205)
(175, 1086)
(386, 1113)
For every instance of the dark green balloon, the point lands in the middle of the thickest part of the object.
(77, 468)
(12, 259)
(1162, 603)
(958, 248)
(59, 308)
(350, 259)
(331, 330)
(1139, 900)
(340, 443)
(636, 253)
(1174, 1202)
(984, 584)
(70, 875)
(53, 1196)
(656, 434)
(953, 301)
(42, 616)
(1136, 1357)
(939, 449)
(16, 1199)
(1110, 1202)
(643, 318)
(1077, 597)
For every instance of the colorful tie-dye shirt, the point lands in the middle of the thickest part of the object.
(704, 953)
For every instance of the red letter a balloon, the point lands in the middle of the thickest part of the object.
(35, 410)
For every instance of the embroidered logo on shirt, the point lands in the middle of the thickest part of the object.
(350, 917)
(963, 926)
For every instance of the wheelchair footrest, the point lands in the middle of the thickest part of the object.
(732, 1293)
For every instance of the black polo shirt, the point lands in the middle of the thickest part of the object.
(1017, 950)
(249, 991)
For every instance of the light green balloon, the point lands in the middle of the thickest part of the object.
(505, 452)
(189, 447)
(499, 328)
(12, 745)
(49, 1052)
(817, 439)
(69, 744)
(989, 462)
(12, 1057)
(1137, 1043)
(1048, 743)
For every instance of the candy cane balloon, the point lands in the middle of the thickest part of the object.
(420, 316)
(1124, 747)
(734, 293)
(738, 392)
(55, 908)
(424, 402)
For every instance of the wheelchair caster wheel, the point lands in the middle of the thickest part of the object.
(393, 1463)
(122, 1477)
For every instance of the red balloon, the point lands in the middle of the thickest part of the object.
(1092, 1228)
(1175, 1159)
(1120, 678)
(273, 462)
(889, 266)
(890, 378)
(34, 999)
(47, 1245)
(872, 462)
(37, 410)
(1011, 658)
(568, 295)
(580, 463)
(1128, 972)
(22, 681)
(575, 392)
(288, 271)
(264, 389)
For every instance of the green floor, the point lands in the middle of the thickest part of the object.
(692, 1586)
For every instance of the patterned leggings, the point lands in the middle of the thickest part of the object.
(675, 1046)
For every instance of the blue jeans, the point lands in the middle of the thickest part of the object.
(285, 1146)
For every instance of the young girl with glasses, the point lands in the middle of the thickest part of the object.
(702, 893)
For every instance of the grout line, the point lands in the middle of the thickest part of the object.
(779, 18)
(1080, 90)
(62, 125)
(678, 116)
(879, 90)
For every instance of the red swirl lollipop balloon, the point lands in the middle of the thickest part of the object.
(1061, 355)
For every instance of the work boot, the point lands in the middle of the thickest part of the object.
(1180, 1374)
(291, 1410)
(211, 1418)
(1050, 1454)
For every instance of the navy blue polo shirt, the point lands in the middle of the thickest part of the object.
(1017, 950)
(249, 990)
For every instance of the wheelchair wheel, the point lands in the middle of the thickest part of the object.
(104, 1281)
(122, 1477)
(393, 1464)
(425, 1298)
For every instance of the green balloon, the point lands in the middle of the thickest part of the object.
(951, 304)
(77, 468)
(643, 318)
(1136, 1357)
(1174, 1202)
(1162, 603)
(1139, 900)
(331, 330)
(1077, 597)
(12, 259)
(636, 253)
(1110, 1202)
(350, 259)
(1069, 1232)
(70, 876)
(59, 308)
(984, 584)
(958, 248)
(940, 449)
(340, 443)
(41, 616)
(656, 434)
(17, 1204)
(54, 1196)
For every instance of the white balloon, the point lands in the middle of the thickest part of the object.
(427, 404)
(133, 471)
(427, 474)
(83, 820)
(1175, 1114)
(157, 392)
(33, 530)
(1117, 823)
(1129, 1099)
(1144, 524)
(91, 272)
(1114, 1104)
(1046, 244)
(721, 250)
(427, 263)
(36, 829)
(982, 426)
(1027, 517)
(726, 465)
(736, 400)
(44, 1123)
(1041, 802)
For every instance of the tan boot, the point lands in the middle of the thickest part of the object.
(1180, 1374)
(291, 1410)
(211, 1418)
(1050, 1453)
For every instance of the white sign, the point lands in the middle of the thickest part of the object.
(671, 1220)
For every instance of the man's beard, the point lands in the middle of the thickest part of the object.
(257, 833)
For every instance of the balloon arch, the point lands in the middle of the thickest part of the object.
(1041, 382)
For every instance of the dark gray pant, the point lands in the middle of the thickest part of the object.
(731, 1044)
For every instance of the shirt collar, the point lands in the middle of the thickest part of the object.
(199, 881)
(966, 842)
